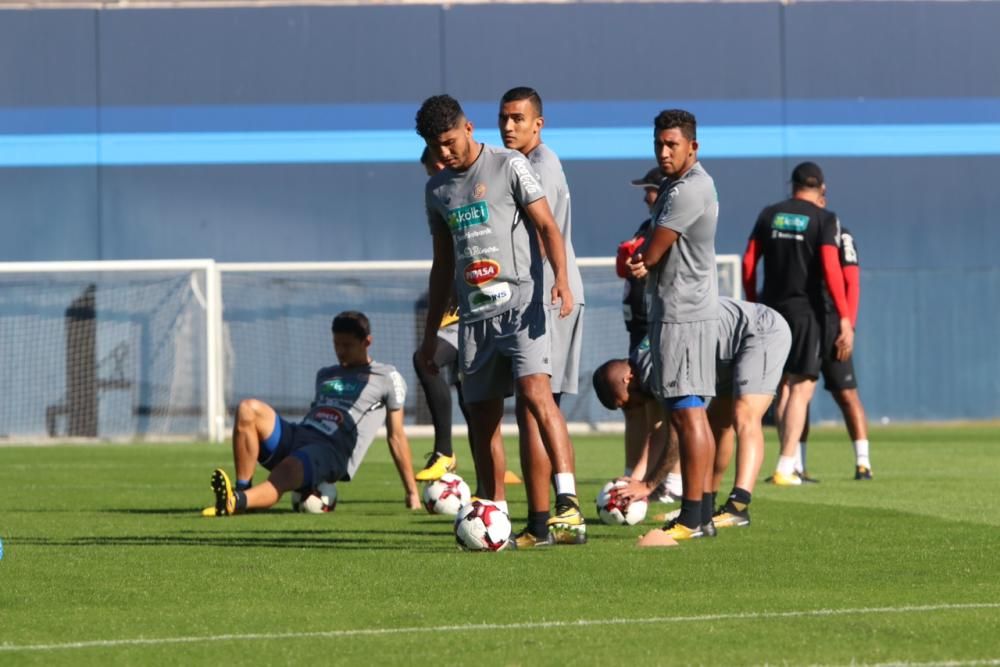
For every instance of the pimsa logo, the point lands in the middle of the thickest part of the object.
(330, 415)
(481, 272)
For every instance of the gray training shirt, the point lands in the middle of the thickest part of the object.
(497, 262)
(549, 169)
(684, 286)
(351, 404)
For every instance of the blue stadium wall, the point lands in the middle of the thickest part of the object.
(286, 134)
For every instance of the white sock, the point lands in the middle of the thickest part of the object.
(502, 504)
(786, 465)
(628, 472)
(861, 453)
(799, 451)
(675, 484)
(565, 483)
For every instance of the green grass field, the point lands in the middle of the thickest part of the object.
(108, 562)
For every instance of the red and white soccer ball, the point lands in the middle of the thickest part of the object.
(446, 495)
(320, 500)
(616, 511)
(482, 526)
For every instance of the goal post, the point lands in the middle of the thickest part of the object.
(165, 349)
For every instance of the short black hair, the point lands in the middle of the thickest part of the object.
(352, 322)
(437, 115)
(603, 383)
(523, 93)
(425, 156)
(684, 120)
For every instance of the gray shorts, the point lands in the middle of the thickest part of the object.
(446, 353)
(760, 360)
(683, 356)
(567, 343)
(323, 458)
(495, 351)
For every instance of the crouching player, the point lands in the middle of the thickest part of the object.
(754, 341)
(352, 400)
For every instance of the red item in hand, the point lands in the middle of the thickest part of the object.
(625, 251)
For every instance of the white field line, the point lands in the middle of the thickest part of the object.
(531, 625)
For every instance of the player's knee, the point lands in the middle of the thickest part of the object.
(247, 411)
(534, 392)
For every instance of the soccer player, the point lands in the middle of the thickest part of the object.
(487, 213)
(633, 300)
(683, 314)
(798, 240)
(753, 343)
(838, 376)
(352, 400)
(520, 121)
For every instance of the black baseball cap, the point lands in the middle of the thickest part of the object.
(807, 175)
(651, 179)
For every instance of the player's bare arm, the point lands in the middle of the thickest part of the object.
(399, 448)
(659, 244)
(552, 242)
(439, 294)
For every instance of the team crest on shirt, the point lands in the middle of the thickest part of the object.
(479, 191)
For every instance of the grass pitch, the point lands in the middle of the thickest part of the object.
(108, 562)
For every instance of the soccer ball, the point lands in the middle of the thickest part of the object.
(320, 500)
(446, 495)
(482, 526)
(615, 511)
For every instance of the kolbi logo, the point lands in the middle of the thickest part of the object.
(336, 386)
(481, 272)
(476, 213)
(491, 295)
(790, 222)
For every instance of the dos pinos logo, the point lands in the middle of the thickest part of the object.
(481, 272)
(476, 213)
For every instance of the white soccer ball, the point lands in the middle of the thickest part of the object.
(320, 500)
(482, 526)
(617, 511)
(446, 495)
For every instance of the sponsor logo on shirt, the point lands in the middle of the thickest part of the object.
(527, 177)
(329, 415)
(398, 387)
(476, 213)
(339, 386)
(491, 295)
(847, 248)
(474, 233)
(790, 222)
(477, 251)
(481, 272)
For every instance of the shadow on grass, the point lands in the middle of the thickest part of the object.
(241, 541)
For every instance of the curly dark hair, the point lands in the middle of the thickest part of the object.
(684, 120)
(437, 115)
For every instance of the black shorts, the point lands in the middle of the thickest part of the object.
(837, 375)
(807, 337)
(323, 457)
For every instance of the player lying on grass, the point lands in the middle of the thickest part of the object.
(753, 344)
(352, 400)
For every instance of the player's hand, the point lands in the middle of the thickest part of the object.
(634, 490)
(844, 344)
(636, 267)
(413, 501)
(425, 355)
(562, 293)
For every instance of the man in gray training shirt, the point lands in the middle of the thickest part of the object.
(352, 400)
(487, 213)
(520, 122)
(683, 295)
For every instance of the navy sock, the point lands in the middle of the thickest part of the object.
(690, 515)
(707, 507)
(243, 484)
(537, 525)
(741, 496)
(241, 500)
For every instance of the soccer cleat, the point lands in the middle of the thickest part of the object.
(862, 473)
(527, 540)
(678, 531)
(807, 478)
(708, 529)
(225, 499)
(662, 495)
(437, 466)
(567, 525)
(209, 511)
(728, 516)
(780, 479)
(667, 516)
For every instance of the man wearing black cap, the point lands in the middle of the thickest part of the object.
(633, 303)
(799, 240)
